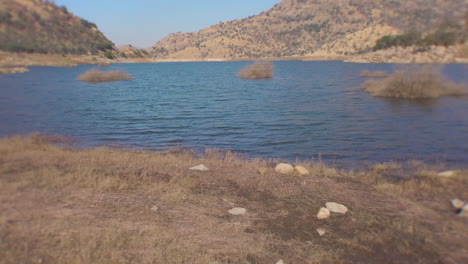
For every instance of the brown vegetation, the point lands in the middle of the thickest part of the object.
(415, 82)
(377, 74)
(61, 205)
(95, 76)
(10, 70)
(258, 70)
(103, 64)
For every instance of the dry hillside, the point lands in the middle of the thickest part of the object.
(301, 27)
(41, 26)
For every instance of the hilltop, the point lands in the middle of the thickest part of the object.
(39, 26)
(314, 27)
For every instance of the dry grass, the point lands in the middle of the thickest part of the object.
(258, 70)
(95, 76)
(415, 82)
(377, 74)
(103, 64)
(61, 205)
(12, 70)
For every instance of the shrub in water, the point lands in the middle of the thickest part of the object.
(415, 82)
(379, 74)
(258, 70)
(95, 76)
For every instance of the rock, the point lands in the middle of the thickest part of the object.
(301, 170)
(200, 167)
(457, 203)
(336, 208)
(284, 168)
(280, 262)
(450, 173)
(464, 211)
(262, 171)
(321, 231)
(323, 213)
(238, 211)
(154, 208)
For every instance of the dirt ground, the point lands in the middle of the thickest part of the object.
(64, 205)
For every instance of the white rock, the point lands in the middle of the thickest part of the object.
(280, 262)
(450, 173)
(336, 208)
(323, 213)
(301, 170)
(457, 203)
(154, 208)
(200, 167)
(321, 231)
(238, 211)
(284, 168)
(464, 211)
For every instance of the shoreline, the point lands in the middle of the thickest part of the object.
(61, 202)
(434, 55)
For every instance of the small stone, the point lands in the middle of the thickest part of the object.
(280, 262)
(336, 208)
(200, 167)
(323, 213)
(154, 208)
(321, 231)
(457, 203)
(450, 173)
(284, 168)
(262, 171)
(464, 211)
(238, 211)
(301, 170)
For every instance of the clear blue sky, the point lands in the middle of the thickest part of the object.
(142, 23)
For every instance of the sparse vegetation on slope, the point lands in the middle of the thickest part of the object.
(415, 82)
(61, 205)
(95, 76)
(258, 70)
(42, 27)
(292, 27)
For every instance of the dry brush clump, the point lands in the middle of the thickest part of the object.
(258, 70)
(96, 76)
(415, 82)
(377, 74)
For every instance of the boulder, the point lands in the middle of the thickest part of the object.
(238, 211)
(323, 213)
(284, 168)
(280, 262)
(301, 170)
(336, 208)
(262, 171)
(200, 167)
(457, 204)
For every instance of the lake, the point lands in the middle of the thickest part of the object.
(308, 111)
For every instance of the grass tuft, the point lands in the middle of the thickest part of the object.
(95, 76)
(377, 74)
(258, 70)
(415, 82)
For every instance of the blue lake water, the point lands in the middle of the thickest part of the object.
(308, 111)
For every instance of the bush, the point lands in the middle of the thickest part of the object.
(108, 54)
(379, 74)
(415, 82)
(258, 70)
(95, 76)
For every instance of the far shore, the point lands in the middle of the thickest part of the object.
(436, 55)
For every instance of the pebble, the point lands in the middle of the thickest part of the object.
(238, 211)
(323, 213)
(464, 211)
(280, 262)
(154, 208)
(200, 167)
(457, 203)
(301, 170)
(321, 231)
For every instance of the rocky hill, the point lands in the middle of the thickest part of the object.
(40, 26)
(319, 27)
